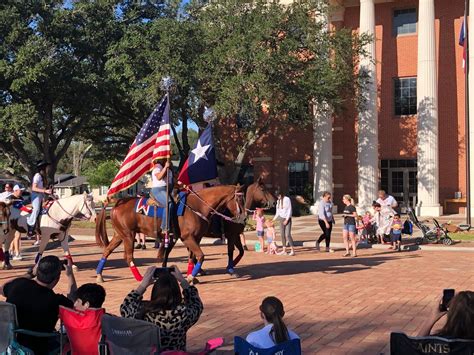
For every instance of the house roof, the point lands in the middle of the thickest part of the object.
(69, 180)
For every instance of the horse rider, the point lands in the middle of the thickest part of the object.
(161, 169)
(5, 194)
(38, 192)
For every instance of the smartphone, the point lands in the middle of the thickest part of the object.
(160, 270)
(448, 295)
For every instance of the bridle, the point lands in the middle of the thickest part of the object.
(268, 204)
(5, 213)
(240, 216)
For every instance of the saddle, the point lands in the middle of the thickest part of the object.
(152, 201)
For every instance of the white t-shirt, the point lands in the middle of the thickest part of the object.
(162, 182)
(262, 338)
(388, 202)
(38, 180)
(284, 211)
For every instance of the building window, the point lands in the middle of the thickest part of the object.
(404, 21)
(103, 190)
(405, 96)
(298, 175)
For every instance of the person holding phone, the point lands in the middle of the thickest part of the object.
(458, 309)
(169, 308)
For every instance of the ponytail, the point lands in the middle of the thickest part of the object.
(272, 309)
(349, 198)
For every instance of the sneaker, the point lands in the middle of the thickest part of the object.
(138, 246)
(36, 242)
(317, 246)
(18, 257)
(291, 253)
(144, 246)
(329, 250)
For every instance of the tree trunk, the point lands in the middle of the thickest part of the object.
(79, 154)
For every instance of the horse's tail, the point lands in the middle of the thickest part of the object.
(101, 237)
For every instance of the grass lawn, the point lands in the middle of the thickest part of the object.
(464, 236)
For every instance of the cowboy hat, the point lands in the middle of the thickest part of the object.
(42, 163)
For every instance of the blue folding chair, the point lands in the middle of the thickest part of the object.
(291, 347)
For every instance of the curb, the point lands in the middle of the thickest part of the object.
(311, 244)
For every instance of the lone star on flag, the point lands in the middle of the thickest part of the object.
(200, 151)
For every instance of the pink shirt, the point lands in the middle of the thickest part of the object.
(260, 221)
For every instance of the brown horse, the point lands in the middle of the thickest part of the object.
(192, 225)
(256, 196)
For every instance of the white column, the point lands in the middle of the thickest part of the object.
(471, 101)
(427, 97)
(322, 151)
(368, 160)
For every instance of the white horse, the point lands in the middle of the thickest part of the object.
(55, 223)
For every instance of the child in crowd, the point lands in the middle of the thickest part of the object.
(272, 247)
(360, 229)
(83, 323)
(396, 232)
(259, 218)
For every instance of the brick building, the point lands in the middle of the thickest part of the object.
(417, 103)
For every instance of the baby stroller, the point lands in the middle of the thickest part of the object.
(436, 234)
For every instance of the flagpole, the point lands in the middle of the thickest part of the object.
(467, 129)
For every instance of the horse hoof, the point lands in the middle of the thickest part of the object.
(202, 272)
(192, 280)
(7, 267)
(99, 279)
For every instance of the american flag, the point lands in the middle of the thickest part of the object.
(152, 142)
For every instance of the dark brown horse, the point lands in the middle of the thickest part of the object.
(256, 196)
(192, 225)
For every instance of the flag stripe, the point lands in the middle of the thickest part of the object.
(152, 140)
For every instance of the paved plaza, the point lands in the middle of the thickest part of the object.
(337, 305)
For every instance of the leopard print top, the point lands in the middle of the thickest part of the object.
(173, 323)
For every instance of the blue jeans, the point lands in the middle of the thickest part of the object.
(349, 227)
(36, 201)
(159, 193)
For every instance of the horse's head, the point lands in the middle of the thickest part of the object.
(4, 218)
(235, 205)
(89, 206)
(258, 196)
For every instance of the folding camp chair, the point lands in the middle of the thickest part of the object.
(241, 347)
(211, 345)
(84, 329)
(402, 344)
(126, 336)
(9, 328)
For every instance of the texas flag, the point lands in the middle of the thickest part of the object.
(201, 164)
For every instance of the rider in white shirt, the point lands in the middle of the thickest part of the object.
(5, 194)
(162, 169)
(37, 195)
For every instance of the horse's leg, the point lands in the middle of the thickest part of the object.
(66, 252)
(230, 252)
(7, 239)
(42, 247)
(114, 243)
(128, 255)
(194, 248)
(240, 248)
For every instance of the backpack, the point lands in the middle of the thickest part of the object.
(407, 227)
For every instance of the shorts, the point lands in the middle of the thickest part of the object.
(260, 234)
(395, 237)
(349, 227)
(269, 240)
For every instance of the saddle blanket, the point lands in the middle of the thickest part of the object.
(46, 206)
(142, 207)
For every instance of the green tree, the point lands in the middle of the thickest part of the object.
(52, 62)
(102, 174)
(266, 64)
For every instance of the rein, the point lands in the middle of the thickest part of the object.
(56, 200)
(213, 210)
